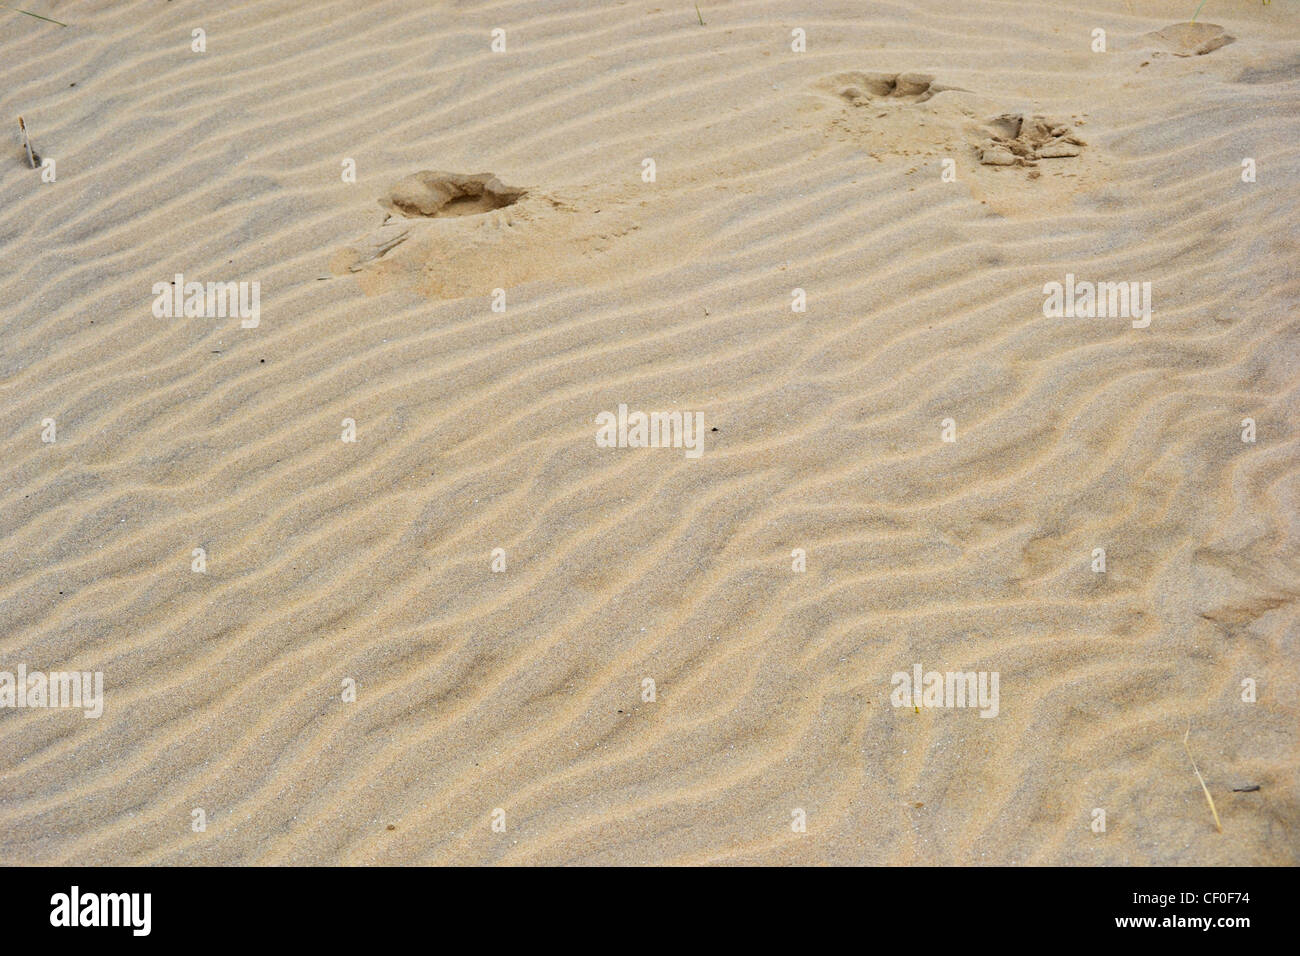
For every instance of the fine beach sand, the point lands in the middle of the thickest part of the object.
(522, 690)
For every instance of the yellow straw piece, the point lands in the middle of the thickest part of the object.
(1208, 799)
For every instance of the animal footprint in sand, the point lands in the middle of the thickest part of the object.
(434, 195)
(426, 195)
(893, 113)
(449, 235)
(1191, 39)
(867, 89)
(1018, 140)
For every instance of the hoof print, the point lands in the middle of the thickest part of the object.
(863, 89)
(1191, 39)
(1018, 140)
(434, 195)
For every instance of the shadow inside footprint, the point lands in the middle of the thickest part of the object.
(429, 194)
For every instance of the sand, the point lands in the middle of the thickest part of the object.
(473, 338)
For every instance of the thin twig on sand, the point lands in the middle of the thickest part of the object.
(31, 157)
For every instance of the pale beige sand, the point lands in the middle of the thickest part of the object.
(522, 690)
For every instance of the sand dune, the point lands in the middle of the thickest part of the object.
(472, 339)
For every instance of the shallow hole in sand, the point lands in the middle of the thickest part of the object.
(430, 194)
(862, 89)
(1191, 39)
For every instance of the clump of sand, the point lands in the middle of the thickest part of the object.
(1023, 140)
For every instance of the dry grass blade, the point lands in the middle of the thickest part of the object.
(1208, 799)
(1198, 9)
(36, 15)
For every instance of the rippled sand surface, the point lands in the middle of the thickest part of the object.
(567, 653)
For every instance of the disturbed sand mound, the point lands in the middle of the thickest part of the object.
(1018, 140)
(449, 235)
